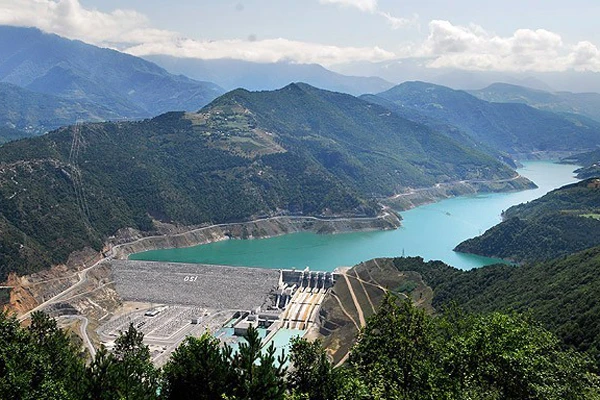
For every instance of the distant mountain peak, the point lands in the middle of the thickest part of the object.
(253, 76)
(104, 84)
(513, 127)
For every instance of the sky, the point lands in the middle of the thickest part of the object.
(482, 35)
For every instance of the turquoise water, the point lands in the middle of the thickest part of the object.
(430, 231)
(226, 336)
(281, 340)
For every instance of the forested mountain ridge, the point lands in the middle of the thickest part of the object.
(560, 293)
(506, 127)
(561, 222)
(590, 162)
(100, 83)
(34, 113)
(299, 150)
(587, 104)
(439, 125)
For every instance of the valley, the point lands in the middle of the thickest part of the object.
(114, 291)
(430, 231)
(283, 200)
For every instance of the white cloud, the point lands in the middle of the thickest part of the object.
(447, 45)
(371, 6)
(270, 50)
(362, 5)
(585, 55)
(68, 18)
(397, 23)
(130, 31)
(473, 48)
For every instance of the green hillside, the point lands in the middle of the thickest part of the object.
(590, 162)
(513, 128)
(36, 113)
(10, 134)
(561, 293)
(299, 150)
(440, 125)
(587, 104)
(563, 221)
(64, 80)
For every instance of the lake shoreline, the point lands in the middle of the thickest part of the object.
(264, 228)
(258, 229)
(429, 230)
(422, 196)
(348, 248)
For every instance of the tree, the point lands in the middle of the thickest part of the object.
(198, 369)
(312, 375)
(101, 380)
(395, 354)
(39, 362)
(136, 377)
(258, 376)
(507, 356)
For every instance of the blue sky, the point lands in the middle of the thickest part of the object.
(509, 35)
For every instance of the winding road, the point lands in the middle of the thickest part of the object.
(83, 331)
(82, 279)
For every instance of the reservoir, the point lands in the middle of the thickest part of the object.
(430, 231)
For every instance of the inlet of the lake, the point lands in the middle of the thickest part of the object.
(430, 231)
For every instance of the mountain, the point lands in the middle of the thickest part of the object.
(506, 127)
(584, 159)
(9, 134)
(439, 125)
(590, 162)
(418, 69)
(103, 82)
(587, 104)
(561, 222)
(35, 113)
(232, 74)
(298, 150)
(561, 294)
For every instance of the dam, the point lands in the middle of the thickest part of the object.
(175, 300)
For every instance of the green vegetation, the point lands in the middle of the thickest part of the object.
(299, 150)
(592, 171)
(31, 113)
(47, 81)
(504, 127)
(561, 294)
(405, 354)
(38, 362)
(587, 104)
(402, 353)
(10, 134)
(555, 224)
(585, 159)
(590, 161)
(4, 297)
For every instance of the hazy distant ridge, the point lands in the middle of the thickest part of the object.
(87, 82)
